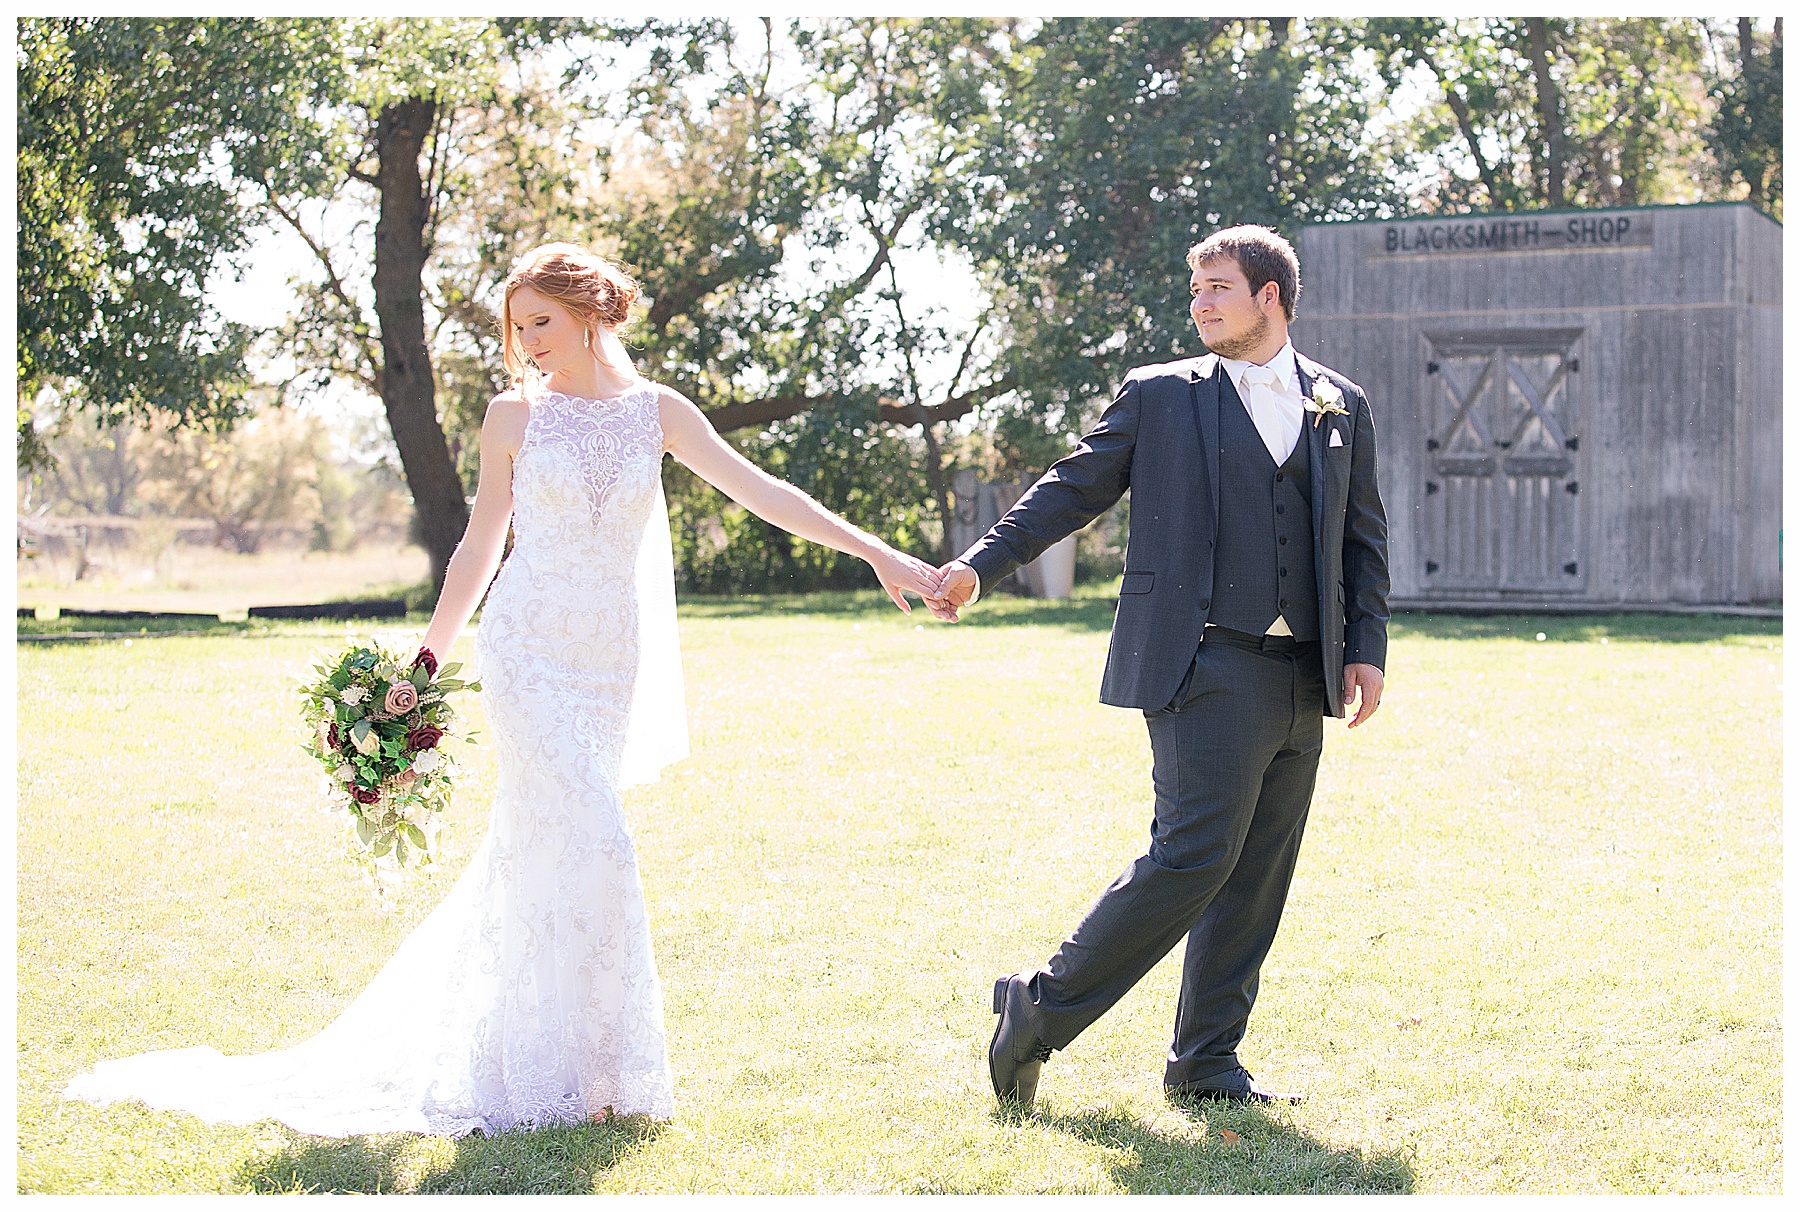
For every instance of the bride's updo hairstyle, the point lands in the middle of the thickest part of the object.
(596, 292)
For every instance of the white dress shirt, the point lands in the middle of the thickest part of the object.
(1271, 394)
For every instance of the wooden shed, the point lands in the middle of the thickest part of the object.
(1575, 409)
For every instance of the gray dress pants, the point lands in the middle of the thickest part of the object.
(1235, 757)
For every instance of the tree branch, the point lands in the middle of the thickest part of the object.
(745, 414)
(1466, 122)
(359, 327)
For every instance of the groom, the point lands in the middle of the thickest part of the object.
(1254, 602)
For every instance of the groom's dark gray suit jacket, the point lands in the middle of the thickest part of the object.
(1160, 438)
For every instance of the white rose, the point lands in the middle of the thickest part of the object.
(367, 744)
(1326, 392)
(426, 762)
(345, 773)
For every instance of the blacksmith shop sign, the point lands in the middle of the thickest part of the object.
(1517, 233)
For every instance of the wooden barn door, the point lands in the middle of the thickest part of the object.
(1502, 489)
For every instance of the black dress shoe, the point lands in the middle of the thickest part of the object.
(1236, 1086)
(1016, 1056)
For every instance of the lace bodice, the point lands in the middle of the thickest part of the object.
(583, 481)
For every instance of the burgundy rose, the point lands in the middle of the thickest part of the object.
(365, 795)
(428, 659)
(332, 738)
(424, 737)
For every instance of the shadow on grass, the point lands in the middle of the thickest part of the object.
(1268, 1156)
(1092, 607)
(548, 1161)
(1586, 628)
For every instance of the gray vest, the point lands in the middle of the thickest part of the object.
(1263, 560)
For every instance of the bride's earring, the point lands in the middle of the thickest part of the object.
(587, 338)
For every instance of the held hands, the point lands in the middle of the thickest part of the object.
(900, 574)
(959, 583)
(1368, 679)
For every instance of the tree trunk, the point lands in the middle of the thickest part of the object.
(1750, 87)
(940, 489)
(1549, 108)
(408, 390)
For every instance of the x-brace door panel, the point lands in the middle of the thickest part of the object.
(1502, 492)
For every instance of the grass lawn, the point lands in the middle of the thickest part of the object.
(1533, 944)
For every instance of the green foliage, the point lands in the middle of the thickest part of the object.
(1116, 144)
(132, 137)
(1536, 112)
(1745, 134)
(765, 178)
(866, 472)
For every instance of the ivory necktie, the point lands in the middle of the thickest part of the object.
(1266, 403)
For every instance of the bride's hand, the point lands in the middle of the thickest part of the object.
(900, 575)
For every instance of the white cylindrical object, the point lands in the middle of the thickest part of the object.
(1056, 569)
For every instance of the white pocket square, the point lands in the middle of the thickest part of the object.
(1337, 439)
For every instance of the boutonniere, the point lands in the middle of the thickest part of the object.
(1327, 401)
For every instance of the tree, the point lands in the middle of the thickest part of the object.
(267, 471)
(1745, 133)
(174, 139)
(1114, 145)
(410, 93)
(130, 135)
(1552, 112)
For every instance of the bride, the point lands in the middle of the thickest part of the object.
(530, 996)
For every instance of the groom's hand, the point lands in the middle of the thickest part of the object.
(1368, 679)
(957, 584)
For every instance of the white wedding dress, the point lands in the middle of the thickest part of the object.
(530, 995)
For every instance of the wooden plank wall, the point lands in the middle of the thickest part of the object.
(1677, 395)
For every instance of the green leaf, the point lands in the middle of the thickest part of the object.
(449, 670)
(449, 684)
(416, 834)
(419, 678)
(400, 851)
(382, 847)
(364, 831)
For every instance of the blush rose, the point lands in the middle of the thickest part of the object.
(402, 697)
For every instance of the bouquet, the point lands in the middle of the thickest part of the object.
(377, 723)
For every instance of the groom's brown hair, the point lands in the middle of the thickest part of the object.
(1261, 253)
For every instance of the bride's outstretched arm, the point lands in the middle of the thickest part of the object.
(690, 437)
(472, 566)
